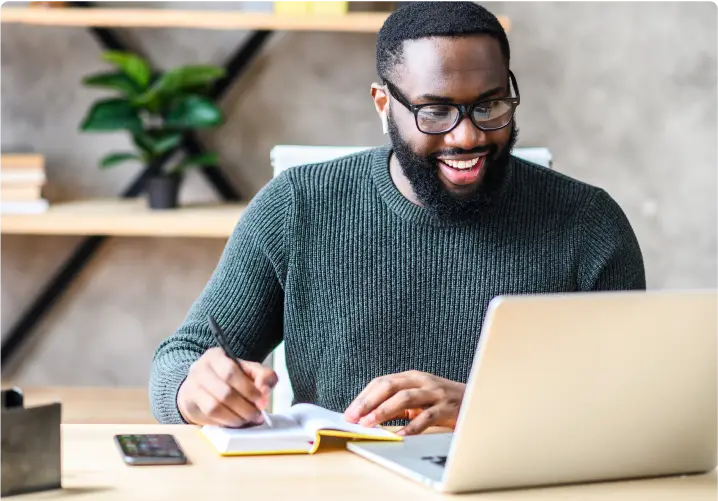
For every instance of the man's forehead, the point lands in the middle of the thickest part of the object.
(473, 61)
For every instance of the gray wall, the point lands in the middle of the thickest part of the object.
(624, 94)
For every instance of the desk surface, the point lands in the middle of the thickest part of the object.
(93, 469)
(93, 405)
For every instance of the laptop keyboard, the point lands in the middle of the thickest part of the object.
(437, 460)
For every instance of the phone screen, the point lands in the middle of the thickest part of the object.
(147, 449)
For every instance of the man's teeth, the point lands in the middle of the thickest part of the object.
(461, 164)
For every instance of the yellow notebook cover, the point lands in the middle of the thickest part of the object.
(298, 431)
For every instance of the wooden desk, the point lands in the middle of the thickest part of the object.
(93, 405)
(93, 469)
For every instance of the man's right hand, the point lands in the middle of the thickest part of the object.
(216, 392)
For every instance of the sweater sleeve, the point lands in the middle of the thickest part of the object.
(244, 294)
(610, 256)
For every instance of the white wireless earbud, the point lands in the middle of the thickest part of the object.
(384, 123)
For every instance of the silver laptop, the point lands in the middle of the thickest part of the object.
(572, 388)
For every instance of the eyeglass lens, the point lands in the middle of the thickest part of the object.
(441, 117)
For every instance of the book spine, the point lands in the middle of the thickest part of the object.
(22, 161)
(32, 207)
(26, 178)
(20, 193)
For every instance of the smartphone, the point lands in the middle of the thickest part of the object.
(150, 449)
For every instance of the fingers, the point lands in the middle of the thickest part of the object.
(265, 379)
(426, 418)
(397, 406)
(262, 376)
(226, 395)
(213, 412)
(218, 392)
(378, 391)
(426, 400)
(226, 370)
(200, 407)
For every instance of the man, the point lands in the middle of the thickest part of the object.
(376, 269)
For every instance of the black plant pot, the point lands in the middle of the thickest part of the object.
(162, 191)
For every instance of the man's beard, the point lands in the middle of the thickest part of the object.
(423, 175)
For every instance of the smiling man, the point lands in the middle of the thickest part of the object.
(452, 142)
(376, 269)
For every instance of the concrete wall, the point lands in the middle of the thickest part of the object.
(624, 94)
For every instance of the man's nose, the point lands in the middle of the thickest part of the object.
(466, 136)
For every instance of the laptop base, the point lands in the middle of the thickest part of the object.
(420, 458)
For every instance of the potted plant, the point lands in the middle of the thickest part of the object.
(156, 110)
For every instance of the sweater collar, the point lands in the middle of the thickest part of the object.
(409, 211)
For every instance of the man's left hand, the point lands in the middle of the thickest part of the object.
(426, 400)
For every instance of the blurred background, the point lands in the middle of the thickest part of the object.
(622, 94)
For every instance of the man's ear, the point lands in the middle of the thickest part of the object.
(381, 103)
(378, 93)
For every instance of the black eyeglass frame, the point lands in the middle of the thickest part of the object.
(464, 109)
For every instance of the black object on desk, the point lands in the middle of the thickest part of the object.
(30, 450)
(12, 397)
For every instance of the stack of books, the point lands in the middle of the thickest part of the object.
(22, 177)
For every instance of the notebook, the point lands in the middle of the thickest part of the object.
(298, 431)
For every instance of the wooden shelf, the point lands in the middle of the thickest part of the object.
(126, 217)
(218, 20)
(361, 22)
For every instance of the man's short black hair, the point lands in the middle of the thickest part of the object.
(433, 19)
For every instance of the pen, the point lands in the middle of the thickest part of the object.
(222, 341)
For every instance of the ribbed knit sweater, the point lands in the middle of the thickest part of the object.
(360, 282)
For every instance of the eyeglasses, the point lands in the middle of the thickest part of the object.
(487, 115)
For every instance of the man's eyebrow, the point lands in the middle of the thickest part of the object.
(444, 99)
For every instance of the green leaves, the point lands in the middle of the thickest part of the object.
(111, 115)
(197, 76)
(188, 78)
(194, 112)
(116, 158)
(132, 65)
(209, 159)
(116, 81)
(176, 83)
(157, 109)
(157, 142)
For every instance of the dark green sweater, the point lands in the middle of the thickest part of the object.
(360, 282)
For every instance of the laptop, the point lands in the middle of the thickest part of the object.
(575, 388)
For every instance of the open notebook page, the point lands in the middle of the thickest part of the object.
(294, 431)
(313, 418)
